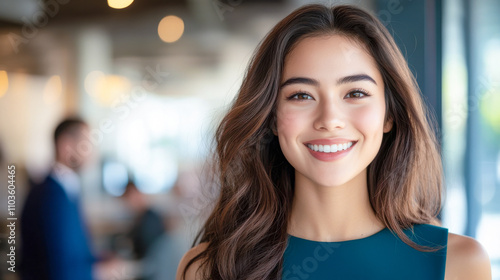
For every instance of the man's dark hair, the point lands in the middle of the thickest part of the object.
(69, 126)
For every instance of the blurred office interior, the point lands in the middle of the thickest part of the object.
(153, 78)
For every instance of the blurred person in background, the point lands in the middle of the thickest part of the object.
(55, 241)
(151, 243)
(148, 225)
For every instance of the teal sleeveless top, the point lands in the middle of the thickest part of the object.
(379, 256)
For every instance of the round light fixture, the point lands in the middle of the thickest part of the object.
(170, 29)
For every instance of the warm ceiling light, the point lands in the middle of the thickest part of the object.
(92, 82)
(119, 4)
(4, 82)
(106, 90)
(170, 29)
(53, 90)
(111, 88)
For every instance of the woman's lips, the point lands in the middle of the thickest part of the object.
(329, 152)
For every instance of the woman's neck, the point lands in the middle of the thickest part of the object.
(333, 213)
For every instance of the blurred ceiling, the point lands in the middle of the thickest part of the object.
(60, 11)
(13, 11)
(132, 31)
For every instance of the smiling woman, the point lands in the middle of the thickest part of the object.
(327, 164)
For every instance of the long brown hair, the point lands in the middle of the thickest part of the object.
(246, 233)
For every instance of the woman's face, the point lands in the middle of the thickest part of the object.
(330, 110)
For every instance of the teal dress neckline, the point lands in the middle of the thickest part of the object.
(351, 240)
(380, 256)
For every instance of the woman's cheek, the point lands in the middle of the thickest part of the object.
(369, 120)
(292, 124)
(289, 119)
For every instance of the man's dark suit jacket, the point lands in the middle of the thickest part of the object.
(55, 243)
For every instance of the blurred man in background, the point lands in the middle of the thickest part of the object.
(54, 236)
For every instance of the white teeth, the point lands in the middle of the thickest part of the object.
(330, 148)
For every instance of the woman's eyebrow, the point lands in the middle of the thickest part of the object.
(355, 78)
(313, 82)
(300, 80)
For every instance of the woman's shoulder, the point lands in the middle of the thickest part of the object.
(466, 259)
(192, 273)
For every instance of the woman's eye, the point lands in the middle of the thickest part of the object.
(301, 96)
(356, 94)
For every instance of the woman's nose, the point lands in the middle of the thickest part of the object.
(329, 117)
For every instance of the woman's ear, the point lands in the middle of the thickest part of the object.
(388, 125)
